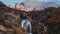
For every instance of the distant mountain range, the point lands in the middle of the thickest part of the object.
(34, 5)
(41, 5)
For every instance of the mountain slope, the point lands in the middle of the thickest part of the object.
(9, 23)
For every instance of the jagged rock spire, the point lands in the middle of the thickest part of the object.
(22, 4)
(16, 5)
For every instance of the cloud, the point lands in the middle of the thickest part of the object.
(34, 5)
(42, 5)
(19, 1)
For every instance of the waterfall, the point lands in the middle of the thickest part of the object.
(26, 24)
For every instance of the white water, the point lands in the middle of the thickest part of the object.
(26, 24)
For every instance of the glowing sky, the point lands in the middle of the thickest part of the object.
(12, 2)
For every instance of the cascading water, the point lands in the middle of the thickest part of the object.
(26, 24)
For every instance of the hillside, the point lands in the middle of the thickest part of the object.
(9, 25)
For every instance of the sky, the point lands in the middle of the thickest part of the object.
(12, 2)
